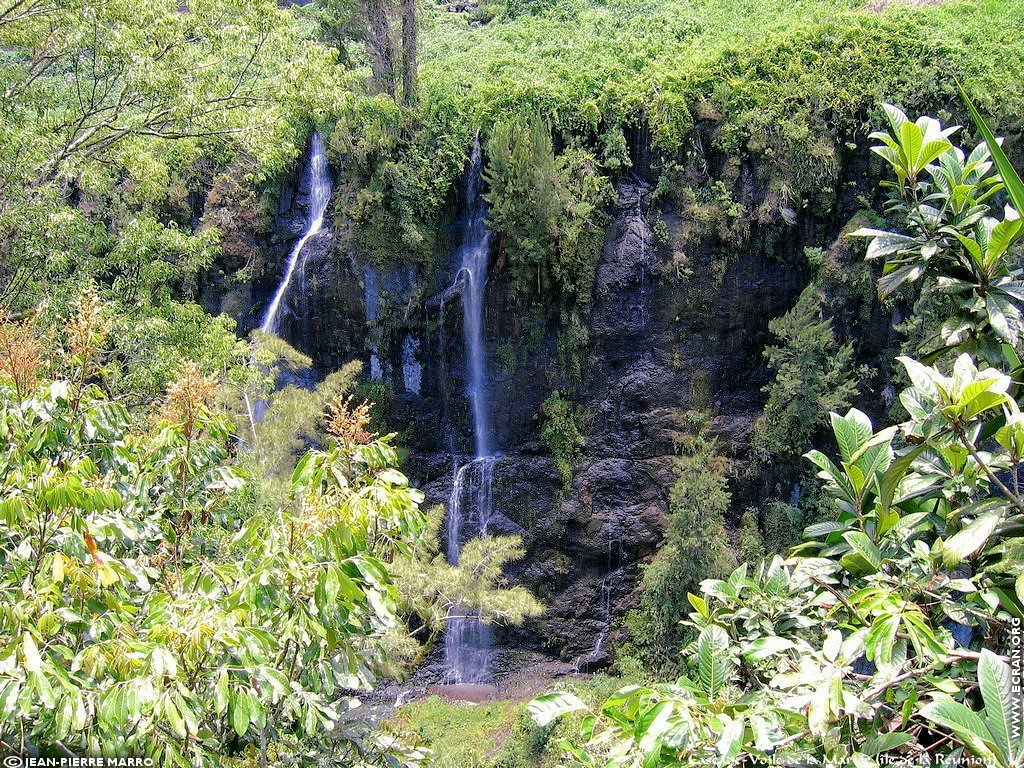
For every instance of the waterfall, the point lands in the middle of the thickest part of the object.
(472, 274)
(613, 564)
(412, 371)
(467, 643)
(319, 179)
(467, 640)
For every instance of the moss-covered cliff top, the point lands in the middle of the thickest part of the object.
(792, 86)
(581, 63)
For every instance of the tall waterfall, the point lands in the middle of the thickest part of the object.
(473, 254)
(467, 644)
(319, 179)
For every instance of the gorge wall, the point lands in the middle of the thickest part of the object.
(683, 296)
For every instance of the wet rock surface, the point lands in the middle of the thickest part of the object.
(653, 362)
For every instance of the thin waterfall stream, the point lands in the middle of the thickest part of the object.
(318, 177)
(467, 646)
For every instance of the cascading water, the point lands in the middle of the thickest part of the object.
(467, 645)
(467, 640)
(319, 179)
(412, 371)
(472, 276)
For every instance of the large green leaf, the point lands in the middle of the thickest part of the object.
(546, 709)
(823, 529)
(240, 717)
(1004, 233)
(220, 693)
(30, 655)
(997, 692)
(883, 742)
(866, 548)
(714, 667)
(882, 638)
(730, 742)
(852, 431)
(965, 724)
(891, 282)
(9, 691)
(895, 474)
(911, 139)
(652, 724)
(175, 719)
(1014, 185)
(969, 540)
(897, 117)
(884, 243)
(763, 647)
(1004, 317)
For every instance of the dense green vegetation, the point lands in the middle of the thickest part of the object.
(788, 86)
(113, 112)
(814, 375)
(201, 563)
(493, 734)
(152, 604)
(788, 83)
(165, 597)
(561, 431)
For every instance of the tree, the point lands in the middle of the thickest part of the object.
(103, 101)
(542, 204)
(410, 52)
(152, 604)
(695, 547)
(430, 587)
(561, 433)
(751, 543)
(814, 374)
(393, 57)
(380, 43)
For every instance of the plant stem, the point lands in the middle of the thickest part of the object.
(991, 475)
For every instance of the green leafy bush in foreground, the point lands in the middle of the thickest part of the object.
(865, 646)
(150, 605)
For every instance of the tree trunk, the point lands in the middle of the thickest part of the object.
(409, 52)
(380, 46)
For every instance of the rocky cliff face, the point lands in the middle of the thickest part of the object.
(677, 333)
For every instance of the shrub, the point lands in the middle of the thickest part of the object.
(561, 432)
(696, 547)
(547, 209)
(814, 374)
(751, 544)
